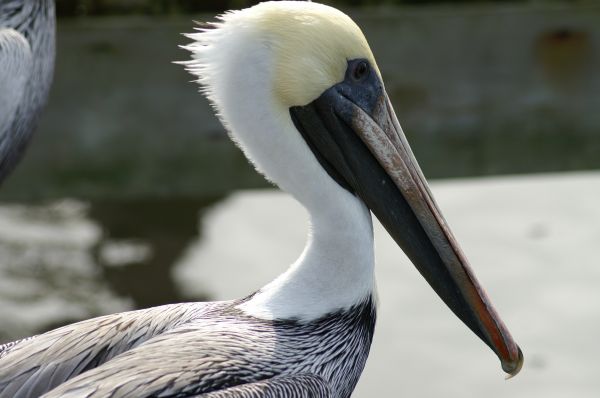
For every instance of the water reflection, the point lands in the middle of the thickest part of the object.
(48, 274)
(71, 260)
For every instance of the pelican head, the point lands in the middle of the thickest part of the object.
(299, 90)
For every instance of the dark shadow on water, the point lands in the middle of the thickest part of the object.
(167, 226)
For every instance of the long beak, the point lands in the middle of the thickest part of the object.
(359, 141)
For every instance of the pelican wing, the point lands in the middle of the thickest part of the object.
(290, 386)
(33, 367)
(216, 353)
(15, 68)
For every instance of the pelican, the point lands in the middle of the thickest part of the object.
(298, 89)
(27, 50)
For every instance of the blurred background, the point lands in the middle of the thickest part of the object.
(131, 195)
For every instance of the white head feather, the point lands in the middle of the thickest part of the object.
(310, 44)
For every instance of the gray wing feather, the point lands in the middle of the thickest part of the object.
(32, 368)
(174, 366)
(182, 362)
(15, 69)
(287, 386)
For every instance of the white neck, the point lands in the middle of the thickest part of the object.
(335, 270)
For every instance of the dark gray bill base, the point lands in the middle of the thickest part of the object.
(353, 131)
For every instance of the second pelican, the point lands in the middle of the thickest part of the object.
(299, 90)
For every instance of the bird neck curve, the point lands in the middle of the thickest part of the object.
(335, 270)
(35, 21)
(39, 28)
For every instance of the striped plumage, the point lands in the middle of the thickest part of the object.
(288, 386)
(189, 349)
(27, 51)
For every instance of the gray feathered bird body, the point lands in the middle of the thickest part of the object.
(27, 51)
(193, 350)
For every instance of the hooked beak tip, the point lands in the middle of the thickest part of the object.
(512, 368)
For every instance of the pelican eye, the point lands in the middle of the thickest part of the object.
(361, 70)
